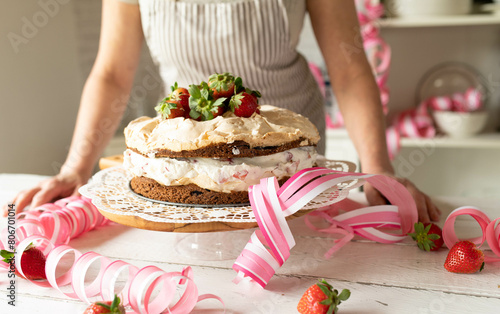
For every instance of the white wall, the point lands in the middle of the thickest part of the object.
(42, 76)
(40, 84)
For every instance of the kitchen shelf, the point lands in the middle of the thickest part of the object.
(462, 20)
(481, 141)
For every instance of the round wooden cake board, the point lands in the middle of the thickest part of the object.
(214, 226)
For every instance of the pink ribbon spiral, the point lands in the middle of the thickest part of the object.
(270, 245)
(51, 226)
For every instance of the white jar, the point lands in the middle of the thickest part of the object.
(422, 8)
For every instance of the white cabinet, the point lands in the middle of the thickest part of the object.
(441, 166)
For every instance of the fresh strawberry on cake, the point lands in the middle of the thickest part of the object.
(225, 144)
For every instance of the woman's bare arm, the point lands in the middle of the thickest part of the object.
(103, 102)
(336, 28)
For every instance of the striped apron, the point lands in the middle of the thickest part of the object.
(249, 38)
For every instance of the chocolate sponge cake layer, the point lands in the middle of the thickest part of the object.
(237, 149)
(186, 194)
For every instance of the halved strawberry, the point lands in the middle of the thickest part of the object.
(170, 109)
(32, 262)
(202, 103)
(241, 175)
(245, 104)
(224, 85)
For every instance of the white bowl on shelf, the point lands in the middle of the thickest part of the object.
(460, 124)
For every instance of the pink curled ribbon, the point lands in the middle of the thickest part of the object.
(269, 246)
(59, 222)
(490, 230)
(51, 226)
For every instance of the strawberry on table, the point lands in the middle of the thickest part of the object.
(32, 262)
(245, 104)
(224, 85)
(464, 258)
(106, 307)
(429, 237)
(321, 298)
(170, 109)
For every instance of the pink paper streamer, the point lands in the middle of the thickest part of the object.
(490, 230)
(270, 245)
(51, 226)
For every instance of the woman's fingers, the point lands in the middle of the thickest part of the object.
(427, 210)
(373, 196)
(423, 210)
(45, 195)
(434, 212)
(24, 198)
(45, 192)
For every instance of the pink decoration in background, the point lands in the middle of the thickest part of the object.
(270, 245)
(51, 226)
(318, 76)
(377, 50)
(418, 123)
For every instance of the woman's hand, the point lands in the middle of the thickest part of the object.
(427, 210)
(103, 102)
(59, 186)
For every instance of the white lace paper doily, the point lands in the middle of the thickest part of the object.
(110, 193)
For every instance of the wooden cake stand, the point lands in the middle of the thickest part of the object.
(112, 196)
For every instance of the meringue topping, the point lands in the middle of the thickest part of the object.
(272, 127)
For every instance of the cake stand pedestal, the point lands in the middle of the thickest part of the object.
(200, 229)
(211, 246)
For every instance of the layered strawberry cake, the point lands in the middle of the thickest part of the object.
(213, 157)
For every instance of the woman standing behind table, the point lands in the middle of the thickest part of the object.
(255, 39)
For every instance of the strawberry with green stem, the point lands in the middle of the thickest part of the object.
(245, 103)
(321, 298)
(170, 109)
(428, 236)
(224, 85)
(464, 258)
(177, 91)
(32, 262)
(180, 95)
(202, 103)
(113, 307)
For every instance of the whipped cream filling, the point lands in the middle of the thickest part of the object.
(221, 175)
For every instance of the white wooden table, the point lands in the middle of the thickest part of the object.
(382, 278)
